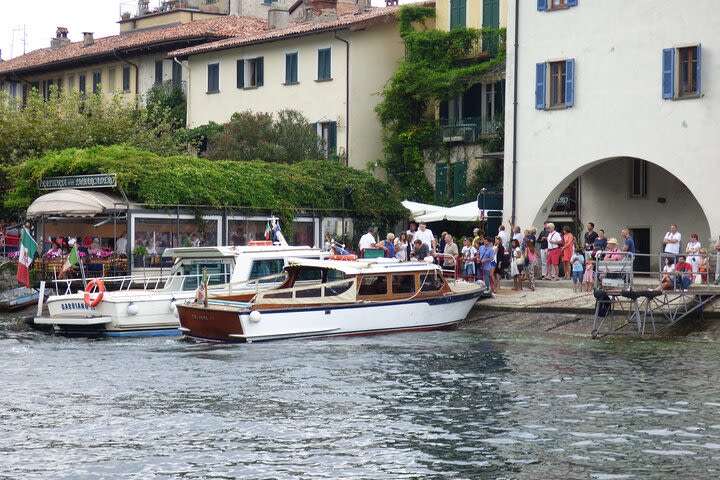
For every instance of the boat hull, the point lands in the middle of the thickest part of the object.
(225, 324)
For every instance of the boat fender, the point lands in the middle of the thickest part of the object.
(255, 316)
(133, 309)
(173, 305)
(344, 257)
(93, 302)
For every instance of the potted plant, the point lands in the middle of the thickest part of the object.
(125, 16)
(139, 255)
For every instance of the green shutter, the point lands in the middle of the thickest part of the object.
(491, 19)
(241, 74)
(332, 141)
(324, 66)
(458, 14)
(291, 68)
(260, 74)
(459, 171)
(441, 174)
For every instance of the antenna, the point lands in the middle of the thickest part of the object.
(22, 31)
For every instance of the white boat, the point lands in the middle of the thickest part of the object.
(333, 297)
(151, 310)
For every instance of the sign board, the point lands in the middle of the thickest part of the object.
(79, 181)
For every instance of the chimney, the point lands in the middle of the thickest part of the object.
(88, 39)
(278, 15)
(235, 8)
(61, 38)
(321, 10)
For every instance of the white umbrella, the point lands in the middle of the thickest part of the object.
(467, 212)
(418, 209)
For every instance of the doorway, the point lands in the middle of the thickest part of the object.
(641, 236)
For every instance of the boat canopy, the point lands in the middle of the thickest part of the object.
(364, 266)
(75, 203)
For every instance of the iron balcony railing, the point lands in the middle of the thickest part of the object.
(468, 129)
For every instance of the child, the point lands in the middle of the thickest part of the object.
(589, 276)
(468, 257)
(578, 266)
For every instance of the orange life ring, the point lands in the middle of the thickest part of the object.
(343, 257)
(259, 243)
(100, 287)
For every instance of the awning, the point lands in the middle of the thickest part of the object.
(467, 212)
(417, 209)
(75, 203)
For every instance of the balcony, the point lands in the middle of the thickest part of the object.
(468, 129)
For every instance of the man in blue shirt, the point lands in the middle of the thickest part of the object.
(486, 260)
(629, 243)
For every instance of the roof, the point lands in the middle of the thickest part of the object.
(106, 47)
(362, 267)
(351, 21)
(74, 203)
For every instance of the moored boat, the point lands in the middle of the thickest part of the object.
(335, 297)
(18, 298)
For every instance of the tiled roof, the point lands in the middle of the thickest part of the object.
(211, 29)
(344, 21)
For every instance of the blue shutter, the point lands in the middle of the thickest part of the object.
(698, 69)
(539, 86)
(260, 73)
(241, 74)
(569, 83)
(668, 73)
(572, 3)
(542, 5)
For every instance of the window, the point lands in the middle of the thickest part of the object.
(97, 82)
(176, 73)
(373, 285)
(432, 282)
(82, 80)
(458, 14)
(639, 178)
(213, 78)
(291, 68)
(158, 72)
(71, 83)
(681, 68)
(250, 73)
(269, 2)
(12, 89)
(555, 85)
(328, 134)
(324, 64)
(543, 5)
(126, 79)
(403, 284)
(111, 80)
(218, 274)
(264, 268)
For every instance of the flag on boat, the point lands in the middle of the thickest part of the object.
(28, 249)
(73, 258)
(267, 231)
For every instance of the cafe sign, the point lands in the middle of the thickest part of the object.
(79, 181)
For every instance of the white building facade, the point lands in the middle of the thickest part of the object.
(616, 117)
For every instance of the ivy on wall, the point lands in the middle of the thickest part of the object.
(438, 65)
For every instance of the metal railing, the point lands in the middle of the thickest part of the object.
(468, 129)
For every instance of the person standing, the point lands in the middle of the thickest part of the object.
(692, 249)
(629, 242)
(532, 258)
(555, 243)
(469, 255)
(451, 253)
(578, 268)
(425, 235)
(601, 242)
(121, 245)
(543, 243)
(568, 249)
(672, 241)
(401, 247)
(367, 240)
(590, 238)
(503, 236)
(477, 240)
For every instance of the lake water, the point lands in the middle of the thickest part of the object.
(419, 405)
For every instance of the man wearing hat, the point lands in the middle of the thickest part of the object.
(612, 250)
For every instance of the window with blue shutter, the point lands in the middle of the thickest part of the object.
(698, 70)
(291, 68)
(668, 73)
(540, 77)
(324, 64)
(240, 73)
(545, 5)
(572, 3)
(569, 83)
(542, 5)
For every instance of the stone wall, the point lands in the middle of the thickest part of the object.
(8, 272)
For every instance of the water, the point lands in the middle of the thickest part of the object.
(420, 405)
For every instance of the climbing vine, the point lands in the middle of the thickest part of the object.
(438, 65)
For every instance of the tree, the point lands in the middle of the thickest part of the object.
(167, 100)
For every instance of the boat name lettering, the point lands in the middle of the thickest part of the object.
(75, 306)
(204, 318)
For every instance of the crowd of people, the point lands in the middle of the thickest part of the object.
(531, 255)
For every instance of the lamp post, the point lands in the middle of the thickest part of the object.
(481, 207)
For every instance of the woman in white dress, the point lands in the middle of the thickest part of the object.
(401, 247)
(692, 249)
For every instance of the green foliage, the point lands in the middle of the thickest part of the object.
(438, 65)
(318, 185)
(488, 174)
(287, 137)
(198, 137)
(167, 100)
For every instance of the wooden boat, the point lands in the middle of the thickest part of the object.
(334, 297)
(18, 298)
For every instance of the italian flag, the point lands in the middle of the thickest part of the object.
(72, 259)
(28, 248)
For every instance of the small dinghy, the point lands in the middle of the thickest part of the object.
(18, 298)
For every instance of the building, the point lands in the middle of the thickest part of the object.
(468, 122)
(614, 125)
(330, 66)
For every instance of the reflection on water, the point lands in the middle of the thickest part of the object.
(427, 405)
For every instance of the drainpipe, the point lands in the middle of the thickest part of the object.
(515, 110)
(137, 72)
(347, 97)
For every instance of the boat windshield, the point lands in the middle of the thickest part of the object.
(188, 273)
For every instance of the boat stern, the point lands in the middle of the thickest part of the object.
(210, 324)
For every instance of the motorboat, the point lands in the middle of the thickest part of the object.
(335, 297)
(139, 306)
(18, 298)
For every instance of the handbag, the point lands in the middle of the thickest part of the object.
(520, 260)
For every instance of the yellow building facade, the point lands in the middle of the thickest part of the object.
(478, 13)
